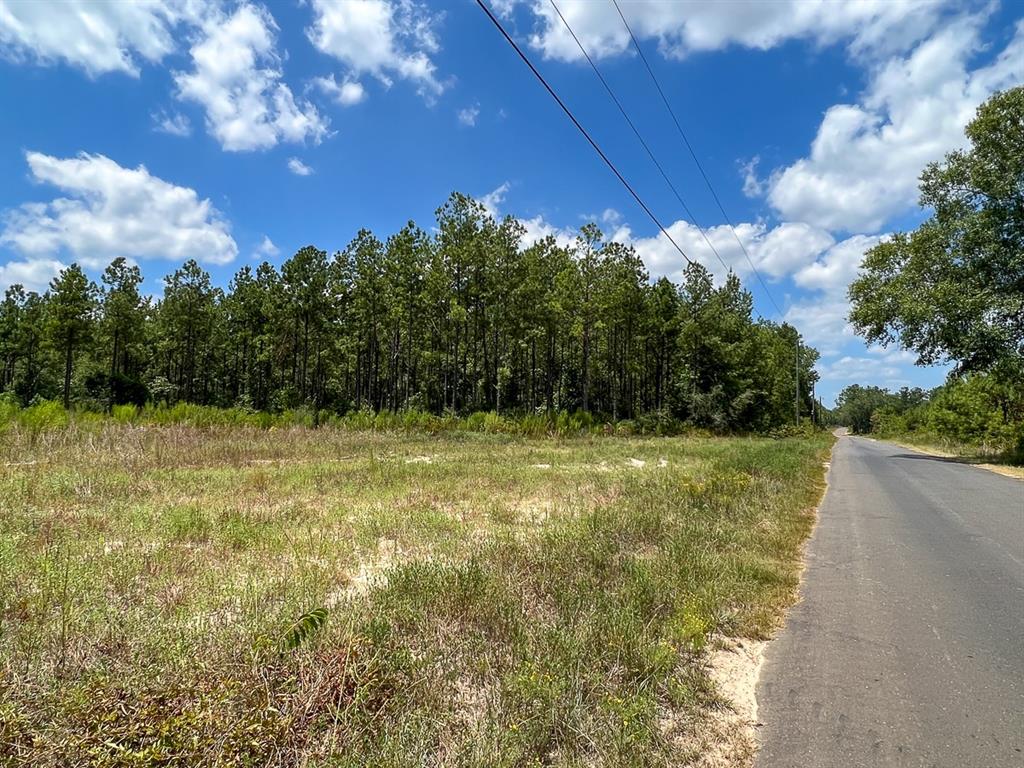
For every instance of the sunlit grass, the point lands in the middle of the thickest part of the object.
(491, 600)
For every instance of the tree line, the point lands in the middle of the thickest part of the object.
(977, 412)
(459, 320)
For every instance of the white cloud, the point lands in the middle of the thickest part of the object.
(113, 211)
(837, 268)
(493, 200)
(892, 355)
(96, 37)
(266, 249)
(865, 161)
(774, 252)
(298, 167)
(33, 274)
(869, 26)
(469, 115)
(347, 93)
(175, 124)
(822, 321)
(537, 228)
(237, 79)
(850, 368)
(381, 38)
(752, 185)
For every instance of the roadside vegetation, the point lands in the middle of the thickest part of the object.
(230, 594)
(977, 417)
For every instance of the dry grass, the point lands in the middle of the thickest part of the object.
(492, 600)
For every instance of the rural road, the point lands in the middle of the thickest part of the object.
(907, 647)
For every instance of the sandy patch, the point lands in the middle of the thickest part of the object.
(420, 460)
(534, 511)
(724, 737)
(358, 582)
(735, 669)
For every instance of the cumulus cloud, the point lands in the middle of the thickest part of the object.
(381, 38)
(775, 251)
(838, 266)
(858, 368)
(236, 77)
(870, 26)
(865, 161)
(469, 115)
(95, 37)
(33, 274)
(114, 211)
(347, 93)
(298, 167)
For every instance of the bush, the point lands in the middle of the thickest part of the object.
(124, 414)
(44, 415)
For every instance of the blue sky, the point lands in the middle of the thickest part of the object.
(229, 132)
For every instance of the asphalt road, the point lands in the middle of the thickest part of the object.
(907, 647)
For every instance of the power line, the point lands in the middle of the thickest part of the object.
(498, 25)
(581, 129)
(693, 154)
(639, 137)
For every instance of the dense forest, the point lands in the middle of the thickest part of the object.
(457, 320)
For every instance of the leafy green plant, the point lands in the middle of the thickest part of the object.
(305, 627)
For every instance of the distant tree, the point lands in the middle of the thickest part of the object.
(123, 313)
(187, 318)
(953, 289)
(12, 310)
(856, 405)
(70, 315)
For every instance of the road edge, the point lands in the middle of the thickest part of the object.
(736, 665)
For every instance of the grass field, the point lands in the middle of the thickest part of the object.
(489, 600)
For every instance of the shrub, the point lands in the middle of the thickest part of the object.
(47, 414)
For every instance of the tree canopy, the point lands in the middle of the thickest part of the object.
(953, 289)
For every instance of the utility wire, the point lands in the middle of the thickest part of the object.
(581, 129)
(693, 154)
(639, 137)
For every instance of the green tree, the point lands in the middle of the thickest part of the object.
(953, 289)
(187, 318)
(71, 309)
(123, 313)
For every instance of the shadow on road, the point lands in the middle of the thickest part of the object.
(947, 459)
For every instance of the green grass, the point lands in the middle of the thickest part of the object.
(490, 599)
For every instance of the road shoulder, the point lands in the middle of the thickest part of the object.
(1007, 470)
